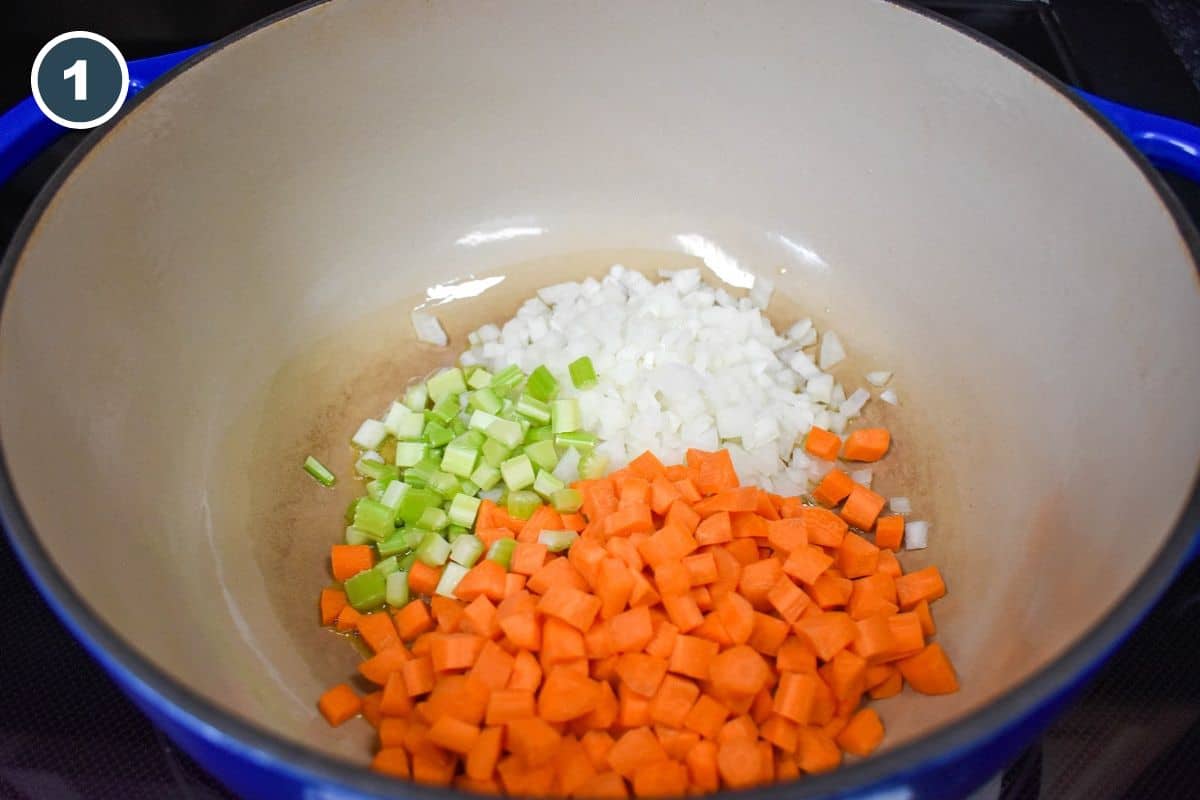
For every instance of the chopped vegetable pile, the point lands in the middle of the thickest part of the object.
(680, 634)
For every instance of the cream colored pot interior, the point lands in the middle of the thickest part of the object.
(222, 286)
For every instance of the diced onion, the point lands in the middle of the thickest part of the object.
(889, 396)
(428, 329)
(854, 403)
(862, 476)
(901, 505)
(916, 535)
(879, 377)
(832, 352)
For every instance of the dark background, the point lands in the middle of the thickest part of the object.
(67, 733)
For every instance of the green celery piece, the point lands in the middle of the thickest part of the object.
(374, 489)
(580, 440)
(480, 420)
(374, 519)
(387, 565)
(376, 470)
(466, 550)
(506, 432)
(546, 484)
(455, 530)
(468, 487)
(407, 561)
(565, 416)
(517, 472)
(409, 454)
(414, 503)
(460, 459)
(366, 590)
(533, 409)
(350, 509)
(451, 576)
(319, 472)
(522, 504)
(437, 434)
(433, 550)
(541, 433)
(457, 426)
(463, 509)
(557, 541)
(507, 379)
(394, 545)
(416, 397)
(355, 536)
(501, 551)
(592, 465)
(473, 439)
(479, 378)
(494, 453)
(484, 400)
(444, 484)
(433, 519)
(566, 501)
(485, 476)
(393, 494)
(446, 409)
(583, 374)
(413, 537)
(542, 384)
(396, 589)
(446, 383)
(543, 454)
(410, 428)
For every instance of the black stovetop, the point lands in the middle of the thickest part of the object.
(67, 732)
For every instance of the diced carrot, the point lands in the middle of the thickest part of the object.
(706, 717)
(769, 634)
(377, 631)
(673, 578)
(573, 522)
(648, 466)
(413, 620)
(673, 700)
(857, 557)
(716, 529)
(828, 633)
(924, 584)
(513, 583)
(744, 498)
(597, 743)
(738, 763)
(482, 759)
(371, 711)
(822, 444)
(339, 704)
(683, 612)
(347, 619)
(604, 715)
(333, 600)
(528, 558)
(566, 695)
(715, 471)
(806, 564)
(633, 491)
(433, 766)
(872, 596)
(877, 674)
(422, 578)
(758, 578)
(533, 739)
(556, 572)
(641, 672)
(867, 444)
(627, 520)
(663, 494)
(392, 731)
(926, 617)
(712, 629)
(586, 555)
(418, 675)
(875, 639)
(888, 563)
(736, 615)
(485, 579)
(823, 527)
(664, 779)
(668, 544)
(523, 630)
(766, 507)
(862, 734)
(889, 688)
(634, 749)
(663, 643)
(455, 651)
(682, 515)
(377, 668)
(796, 655)
(544, 518)
(889, 532)
(574, 607)
(453, 735)
(787, 599)
(816, 752)
(747, 525)
(347, 560)
(633, 709)
(691, 656)
(506, 705)
(779, 732)
(846, 674)
(702, 767)
(490, 536)
(907, 635)
(632, 630)
(795, 695)
(479, 617)
(739, 670)
(787, 535)
(561, 643)
(862, 507)
(392, 761)
(833, 488)
(831, 591)
(744, 550)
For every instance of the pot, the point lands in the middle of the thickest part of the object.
(218, 284)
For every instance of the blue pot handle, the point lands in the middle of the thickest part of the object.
(1168, 143)
(25, 131)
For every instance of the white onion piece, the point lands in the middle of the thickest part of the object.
(369, 435)
(567, 469)
(760, 291)
(428, 329)
(804, 366)
(879, 378)
(889, 396)
(854, 403)
(799, 330)
(808, 339)
(820, 389)
(838, 397)
(916, 535)
(862, 476)
(901, 505)
(832, 352)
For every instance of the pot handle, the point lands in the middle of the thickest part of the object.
(25, 131)
(1169, 143)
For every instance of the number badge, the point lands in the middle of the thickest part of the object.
(79, 80)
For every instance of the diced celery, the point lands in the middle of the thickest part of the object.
(583, 374)
(409, 454)
(566, 501)
(445, 383)
(374, 489)
(471, 438)
(484, 400)
(446, 409)
(546, 484)
(376, 470)
(319, 472)
(479, 378)
(557, 541)
(485, 476)
(517, 472)
(522, 504)
(532, 408)
(387, 565)
(397, 411)
(507, 379)
(416, 397)
(444, 484)
(396, 589)
(592, 465)
(506, 432)
(410, 428)
(418, 474)
(494, 453)
(457, 426)
(413, 537)
(355, 536)
(543, 454)
(463, 509)
(580, 440)
(468, 487)
(433, 550)
(466, 550)
(437, 434)
(565, 416)
(460, 459)
(542, 384)
(414, 503)
(393, 494)
(374, 519)
(480, 420)
(369, 435)
(407, 561)
(394, 545)
(366, 590)
(455, 530)
(433, 519)
(351, 508)
(451, 575)
(501, 551)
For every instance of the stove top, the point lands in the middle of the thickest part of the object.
(68, 733)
